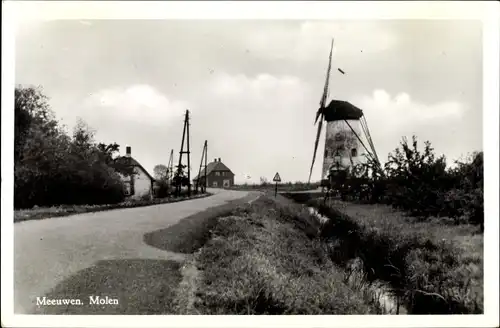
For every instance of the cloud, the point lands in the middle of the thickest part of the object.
(263, 122)
(139, 103)
(401, 110)
(312, 40)
(264, 102)
(392, 117)
(138, 115)
(260, 86)
(85, 22)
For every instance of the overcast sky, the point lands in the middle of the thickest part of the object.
(253, 87)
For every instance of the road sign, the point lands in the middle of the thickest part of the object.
(276, 179)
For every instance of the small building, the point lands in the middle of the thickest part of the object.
(140, 184)
(218, 175)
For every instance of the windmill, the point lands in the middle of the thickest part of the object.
(345, 124)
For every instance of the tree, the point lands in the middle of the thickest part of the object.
(180, 178)
(52, 168)
(108, 151)
(35, 129)
(83, 144)
(161, 172)
(40, 146)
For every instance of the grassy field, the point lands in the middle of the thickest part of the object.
(434, 266)
(266, 258)
(40, 213)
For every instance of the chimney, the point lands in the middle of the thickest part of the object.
(219, 159)
(129, 151)
(215, 159)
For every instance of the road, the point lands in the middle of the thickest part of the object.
(60, 253)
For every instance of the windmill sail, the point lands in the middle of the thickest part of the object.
(327, 82)
(320, 114)
(318, 134)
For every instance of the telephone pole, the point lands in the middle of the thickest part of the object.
(188, 155)
(180, 176)
(170, 168)
(203, 157)
(205, 182)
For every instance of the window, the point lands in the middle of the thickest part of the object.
(127, 188)
(217, 174)
(214, 184)
(354, 152)
(223, 174)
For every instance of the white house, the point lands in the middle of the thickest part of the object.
(140, 184)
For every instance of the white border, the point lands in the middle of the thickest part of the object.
(488, 12)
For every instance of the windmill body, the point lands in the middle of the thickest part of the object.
(343, 150)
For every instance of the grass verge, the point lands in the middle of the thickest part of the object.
(192, 232)
(433, 267)
(265, 258)
(41, 213)
(139, 286)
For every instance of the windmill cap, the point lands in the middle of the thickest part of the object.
(339, 110)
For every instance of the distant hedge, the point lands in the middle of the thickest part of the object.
(287, 186)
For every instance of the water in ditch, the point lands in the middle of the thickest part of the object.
(380, 289)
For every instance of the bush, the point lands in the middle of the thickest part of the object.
(162, 189)
(421, 184)
(52, 168)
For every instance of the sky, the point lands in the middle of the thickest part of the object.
(253, 87)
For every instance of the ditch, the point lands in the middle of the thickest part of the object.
(390, 303)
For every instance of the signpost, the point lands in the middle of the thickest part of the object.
(276, 179)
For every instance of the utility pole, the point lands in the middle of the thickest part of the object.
(188, 154)
(205, 175)
(181, 152)
(203, 157)
(170, 167)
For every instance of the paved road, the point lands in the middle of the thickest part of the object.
(48, 251)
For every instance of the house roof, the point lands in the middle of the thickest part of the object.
(133, 162)
(214, 166)
(339, 110)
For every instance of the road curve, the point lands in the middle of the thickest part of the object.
(48, 251)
